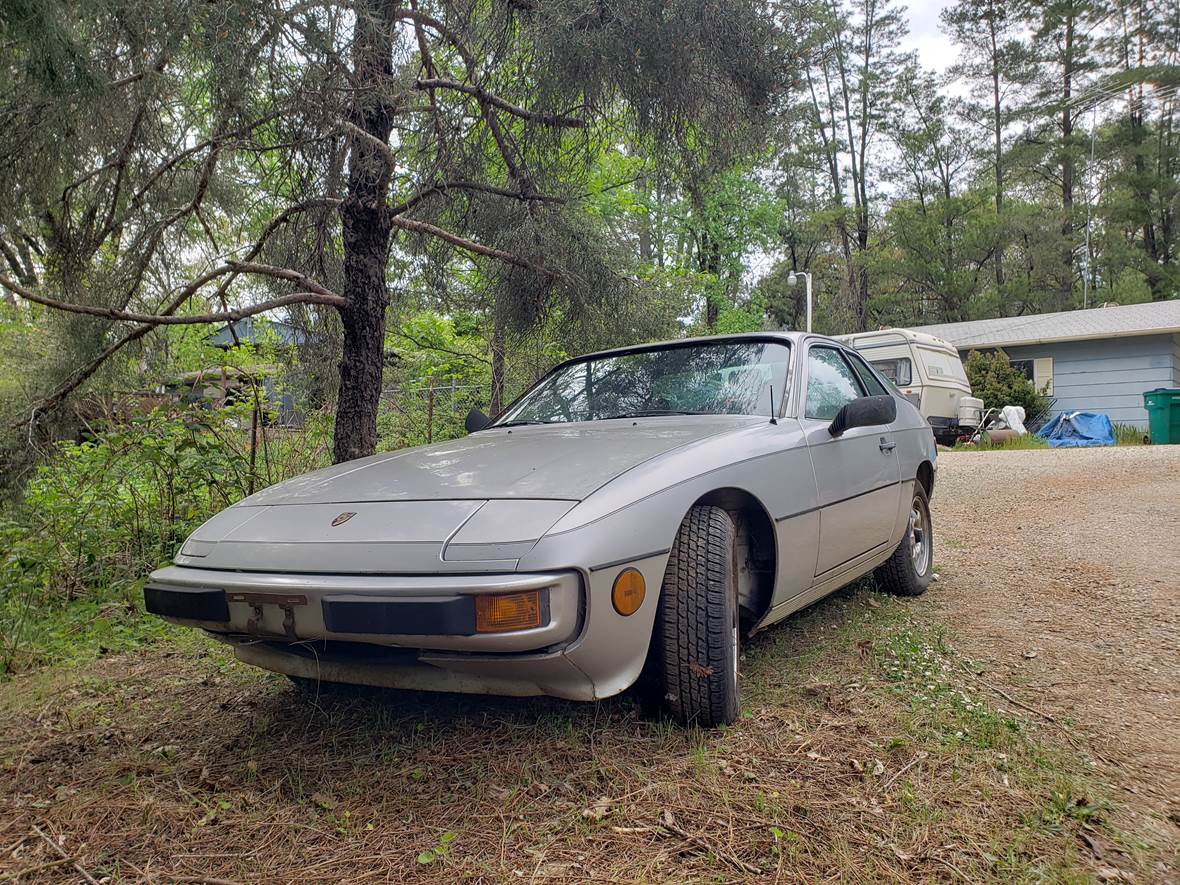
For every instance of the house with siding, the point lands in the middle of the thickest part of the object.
(1097, 360)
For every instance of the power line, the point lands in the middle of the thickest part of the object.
(1111, 93)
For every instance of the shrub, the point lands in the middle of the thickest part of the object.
(995, 382)
(100, 515)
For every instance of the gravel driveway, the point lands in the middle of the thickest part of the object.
(1061, 574)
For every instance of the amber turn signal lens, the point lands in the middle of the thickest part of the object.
(499, 612)
(628, 592)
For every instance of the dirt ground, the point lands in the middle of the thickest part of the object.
(1061, 573)
(1020, 722)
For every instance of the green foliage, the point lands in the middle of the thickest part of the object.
(440, 368)
(439, 851)
(986, 443)
(1129, 435)
(995, 382)
(101, 514)
(749, 316)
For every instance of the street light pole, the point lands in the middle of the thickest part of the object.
(807, 283)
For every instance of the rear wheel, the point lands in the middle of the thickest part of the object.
(696, 639)
(907, 572)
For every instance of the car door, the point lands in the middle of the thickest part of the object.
(857, 473)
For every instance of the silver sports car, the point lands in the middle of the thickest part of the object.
(637, 511)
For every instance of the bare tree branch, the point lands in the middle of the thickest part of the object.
(279, 220)
(426, 345)
(422, 18)
(560, 120)
(443, 186)
(293, 276)
(229, 316)
(14, 262)
(370, 138)
(229, 271)
(429, 69)
(422, 227)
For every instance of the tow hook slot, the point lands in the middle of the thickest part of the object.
(286, 602)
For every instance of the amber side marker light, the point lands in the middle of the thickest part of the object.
(500, 612)
(628, 592)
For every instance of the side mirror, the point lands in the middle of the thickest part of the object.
(476, 420)
(865, 411)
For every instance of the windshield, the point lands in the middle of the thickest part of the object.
(725, 378)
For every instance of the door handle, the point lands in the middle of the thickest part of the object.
(886, 446)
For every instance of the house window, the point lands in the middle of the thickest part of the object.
(1043, 375)
(1039, 371)
(1024, 367)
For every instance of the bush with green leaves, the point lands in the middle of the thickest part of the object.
(995, 381)
(98, 516)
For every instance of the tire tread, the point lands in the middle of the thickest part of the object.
(697, 603)
(896, 575)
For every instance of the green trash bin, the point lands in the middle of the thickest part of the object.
(1163, 414)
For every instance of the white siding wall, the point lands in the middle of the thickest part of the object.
(1107, 375)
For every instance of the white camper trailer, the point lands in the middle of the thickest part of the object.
(928, 371)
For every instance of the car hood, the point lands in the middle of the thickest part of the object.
(567, 461)
(484, 499)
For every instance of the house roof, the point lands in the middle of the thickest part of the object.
(1123, 321)
(246, 333)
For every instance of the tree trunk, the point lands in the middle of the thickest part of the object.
(496, 403)
(366, 229)
(997, 133)
(1065, 296)
(859, 271)
(709, 262)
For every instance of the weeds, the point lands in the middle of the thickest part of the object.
(98, 518)
(1124, 435)
(1130, 435)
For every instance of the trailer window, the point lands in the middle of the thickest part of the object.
(940, 364)
(900, 371)
(867, 378)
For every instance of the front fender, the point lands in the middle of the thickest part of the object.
(601, 540)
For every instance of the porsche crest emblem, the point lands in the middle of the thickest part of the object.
(343, 517)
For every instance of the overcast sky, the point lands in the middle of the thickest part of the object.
(934, 49)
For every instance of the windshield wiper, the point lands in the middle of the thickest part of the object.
(521, 424)
(649, 413)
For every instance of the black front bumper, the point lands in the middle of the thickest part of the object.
(437, 616)
(189, 605)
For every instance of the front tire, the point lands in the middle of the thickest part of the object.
(696, 639)
(907, 572)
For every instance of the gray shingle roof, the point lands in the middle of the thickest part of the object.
(1153, 318)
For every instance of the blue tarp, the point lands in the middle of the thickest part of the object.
(1078, 429)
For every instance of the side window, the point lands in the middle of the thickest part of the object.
(867, 378)
(831, 383)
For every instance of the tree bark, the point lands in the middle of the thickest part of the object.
(366, 231)
(997, 133)
(709, 262)
(1065, 296)
(499, 334)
